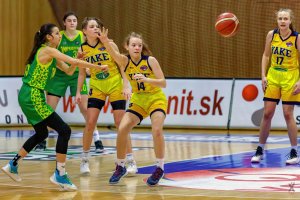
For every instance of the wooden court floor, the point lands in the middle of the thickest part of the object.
(179, 149)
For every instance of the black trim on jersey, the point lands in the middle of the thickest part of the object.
(296, 34)
(86, 43)
(51, 94)
(128, 56)
(158, 109)
(290, 102)
(144, 57)
(274, 31)
(270, 99)
(149, 63)
(137, 114)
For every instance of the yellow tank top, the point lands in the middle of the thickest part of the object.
(98, 55)
(144, 68)
(284, 52)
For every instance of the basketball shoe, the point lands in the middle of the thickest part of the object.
(84, 166)
(293, 159)
(12, 171)
(118, 174)
(63, 182)
(155, 177)
(99, 147)
(131, 167)
(258, 155)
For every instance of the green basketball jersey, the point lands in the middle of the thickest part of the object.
(69, 47)
(37, 75)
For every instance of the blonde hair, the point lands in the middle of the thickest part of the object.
(292, 17)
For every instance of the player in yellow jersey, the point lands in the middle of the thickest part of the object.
(280, 81)
(102, 86)
(58, 85)
(146, 79)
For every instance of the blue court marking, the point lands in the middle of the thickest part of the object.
(169, 137)
(273, 158)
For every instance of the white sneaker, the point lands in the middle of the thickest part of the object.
(84, 166)
(131, 167)
(12, 171)
(258, 155)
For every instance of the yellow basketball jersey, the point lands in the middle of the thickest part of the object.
(144, 68)
(284, 52)
(98, 55)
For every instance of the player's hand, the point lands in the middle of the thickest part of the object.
(103, 35)
(104, 68)
(78, 98)
(126, 92)
(296, 88)
(140, 78)
(264, 83)
(81, 55)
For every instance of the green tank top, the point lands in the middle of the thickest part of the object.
(38, 75)
(69, 47)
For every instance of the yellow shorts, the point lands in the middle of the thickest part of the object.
(281, 86)
(112, 88)
(144, 104)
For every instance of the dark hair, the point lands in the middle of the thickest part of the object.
(67, 14)
(39, 39)
(87, 19)
(145, 50)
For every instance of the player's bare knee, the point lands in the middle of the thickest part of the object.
(157, 132)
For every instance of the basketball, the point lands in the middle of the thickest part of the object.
(250, 92)
(227, 24)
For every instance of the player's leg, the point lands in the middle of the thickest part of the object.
(288, 112)
(60, 176)
(52, 100)
(92, 117)
(157, 121)
(272, 96)
(118, 113)
(128, 121)
(41, 133)
(99, 148)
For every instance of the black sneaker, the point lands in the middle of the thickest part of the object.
(293, 159)
(99, 147)
(41, 146)
(258, 155)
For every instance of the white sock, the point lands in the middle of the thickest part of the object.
(129, 156)
(294, 147)
(160, 163)
(96, 135)
(121, 162)
(61, 168)
(85, 154)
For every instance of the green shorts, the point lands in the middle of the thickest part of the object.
(60, 82)
(33, 104)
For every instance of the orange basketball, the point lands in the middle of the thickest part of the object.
(250, 92)
(227, 24)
